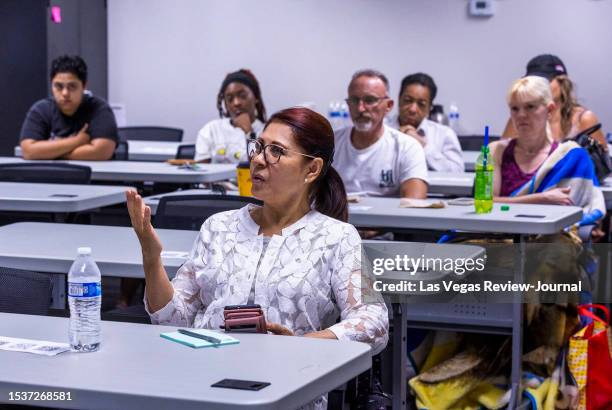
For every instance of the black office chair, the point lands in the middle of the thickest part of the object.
(190, 211)
(121, 151)
(151, 134)
(23, 291)
(45, 172)
(185, 152)
(130, 314)
(474, 142)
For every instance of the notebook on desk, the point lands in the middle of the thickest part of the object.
(196, 343)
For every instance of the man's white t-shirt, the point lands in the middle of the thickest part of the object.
(221, 142)
(381, 168)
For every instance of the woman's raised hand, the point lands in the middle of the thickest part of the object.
(140, 216)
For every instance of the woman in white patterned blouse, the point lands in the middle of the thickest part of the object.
(295, 256)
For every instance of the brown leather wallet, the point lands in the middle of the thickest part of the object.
(244, 318)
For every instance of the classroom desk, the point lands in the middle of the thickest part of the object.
(51, 248)
(57, 198)
(450, 183)
(444, 183)
(142, 150)
(522, 219)
(469, 160)
(138, 171)
(136, 368)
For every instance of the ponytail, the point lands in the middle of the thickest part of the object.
(329, 196)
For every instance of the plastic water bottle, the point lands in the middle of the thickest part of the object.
(344, 114)
(437, 114)
(453, 117)
(85, 300)
(334, 115)
(483, 186)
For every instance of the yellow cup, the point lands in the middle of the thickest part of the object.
(243, 175)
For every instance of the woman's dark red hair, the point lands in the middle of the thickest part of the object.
(314, 134)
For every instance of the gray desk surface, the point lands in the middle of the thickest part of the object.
(445, 183)
(31, 197)
(451, 183)
(142, 150)
(469, 159)
(385, 212)
(148, 171)
(136, 368)
(51, 247)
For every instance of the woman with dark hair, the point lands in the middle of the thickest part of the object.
(569, 117)
(295, 256)
(242, 115)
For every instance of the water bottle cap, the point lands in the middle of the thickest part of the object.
(84, 250)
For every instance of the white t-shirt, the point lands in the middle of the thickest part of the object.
(221, 142)
(381, 168)
(442, 150)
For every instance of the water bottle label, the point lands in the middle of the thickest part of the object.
(84, 290)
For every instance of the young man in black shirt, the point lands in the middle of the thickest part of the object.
(71, 124)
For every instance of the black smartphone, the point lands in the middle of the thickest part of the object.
(240, 384)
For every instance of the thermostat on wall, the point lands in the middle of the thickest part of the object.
(482, 8)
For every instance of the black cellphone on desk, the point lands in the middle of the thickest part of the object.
(240, 384)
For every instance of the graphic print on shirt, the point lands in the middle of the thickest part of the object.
(386, 178)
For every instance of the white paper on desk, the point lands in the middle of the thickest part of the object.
(41, 347)
(420, 203)
(175, 254)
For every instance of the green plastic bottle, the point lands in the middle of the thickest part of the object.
(483, 192)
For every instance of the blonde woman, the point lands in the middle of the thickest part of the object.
(517, 160)
(569, 117)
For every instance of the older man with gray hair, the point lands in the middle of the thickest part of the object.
(372, 158)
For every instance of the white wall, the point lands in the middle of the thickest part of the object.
(167, 59)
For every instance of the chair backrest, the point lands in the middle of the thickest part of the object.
(185, 151)
(45, 172)
(151, 134)
(121, 151)
(474, 142)
(23, 291)
(190, 211)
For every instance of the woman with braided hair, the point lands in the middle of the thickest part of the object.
(243, 115)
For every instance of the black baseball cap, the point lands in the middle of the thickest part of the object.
(547, 66)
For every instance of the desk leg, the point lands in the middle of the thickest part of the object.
(517, 328)
(399, 356)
